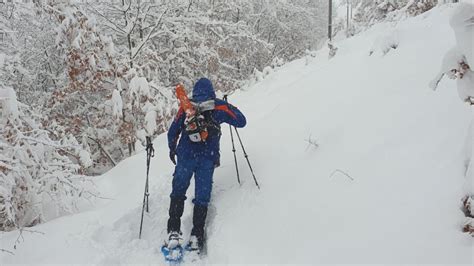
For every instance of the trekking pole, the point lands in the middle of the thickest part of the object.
(150, 152)
(247, 158)
(233, 148)
(243, 149)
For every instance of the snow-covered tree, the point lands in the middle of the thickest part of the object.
(77, 62)
(144, 109)
(291, 26)
(32, 67)
(89, 73)
(183, 40)
(38, 178)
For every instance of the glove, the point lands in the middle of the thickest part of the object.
(173, 156)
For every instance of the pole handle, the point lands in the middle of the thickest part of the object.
(149, 147)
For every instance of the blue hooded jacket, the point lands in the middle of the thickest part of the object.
(223, 113)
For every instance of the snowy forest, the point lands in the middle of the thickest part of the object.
(84, 83)
(95, 77)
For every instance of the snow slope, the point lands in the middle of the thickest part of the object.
(375, 119)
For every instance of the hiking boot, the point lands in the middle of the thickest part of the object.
(174, 240)
(195, 244)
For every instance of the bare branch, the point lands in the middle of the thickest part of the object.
(20, 235)
(6, 251)
(311, 142)
(341, 172)
(115, 26)
(103, 150)
(150, 34)
(32, 231)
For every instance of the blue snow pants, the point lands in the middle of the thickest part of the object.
(203, 170)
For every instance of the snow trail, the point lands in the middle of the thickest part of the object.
(374, 118)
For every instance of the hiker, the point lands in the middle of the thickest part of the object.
(198, 157)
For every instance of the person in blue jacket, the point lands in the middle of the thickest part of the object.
(198, 158)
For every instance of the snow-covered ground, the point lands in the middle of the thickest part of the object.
(384, 185)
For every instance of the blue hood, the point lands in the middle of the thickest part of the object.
(203, 90)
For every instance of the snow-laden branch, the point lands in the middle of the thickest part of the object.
(103, 150)
(112, 25)
(150, 35)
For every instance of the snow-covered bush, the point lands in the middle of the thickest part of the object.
(309, 56)
(468, 209)
(414, 8)
(146, 108)
(458, 61)
(369, 12)
(38, 179)
(384, 44)
(278, 62)
(457, 64)
(332, 50)
(258, 76)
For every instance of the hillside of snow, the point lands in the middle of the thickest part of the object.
(384, 185)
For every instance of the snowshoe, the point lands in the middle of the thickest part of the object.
(194, 245)
(173, 255)
(172, 249)
(194, 249)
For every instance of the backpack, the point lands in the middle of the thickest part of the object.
(201, 125)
